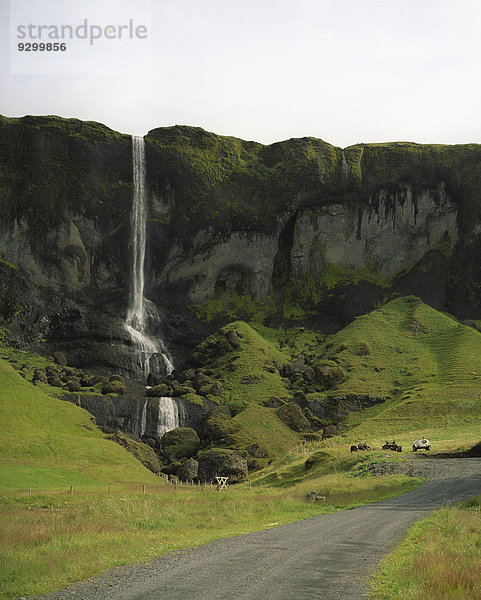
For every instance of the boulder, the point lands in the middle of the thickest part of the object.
(114, 387)
(182, 442)
(141, 451)
(222, 463)
(188, 470)
(40, 375)
(161, 390)
(54, 381)
(233, 339)
(296, 366)
(219, 427)
(292, 416)
(329, 374)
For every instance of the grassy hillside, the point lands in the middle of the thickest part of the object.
(426, 364)
(50, 444)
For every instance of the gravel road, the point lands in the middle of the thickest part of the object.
(330, 556)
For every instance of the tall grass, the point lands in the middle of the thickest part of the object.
(50, 541)
(440, 558)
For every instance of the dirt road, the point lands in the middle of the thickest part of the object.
(329, 557)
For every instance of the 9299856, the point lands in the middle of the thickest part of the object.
(42, 47)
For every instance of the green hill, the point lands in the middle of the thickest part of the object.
(50, 444)
(424, 362)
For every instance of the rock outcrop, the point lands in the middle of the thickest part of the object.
(234, 229)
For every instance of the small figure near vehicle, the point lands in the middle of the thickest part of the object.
(421, 444)
(392, 446)
(360, 446)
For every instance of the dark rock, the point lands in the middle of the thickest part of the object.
(273, 402)
(114, 387)
(292, 416)
(117, 378)
(39, 375)
(296, 366)
(233, 339)
(73, 386)
(257, 451)
(141, 451)
(182, 442)
(161, 390)
(329, 374)
(188, 470)
(213, 389)
(222, 463)
(172, 468)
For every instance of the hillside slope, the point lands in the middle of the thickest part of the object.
(49, 444)
(426, 364)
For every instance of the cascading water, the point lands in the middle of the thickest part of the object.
(143, 419)
(168, 416)
(344, 166)
(142, 315)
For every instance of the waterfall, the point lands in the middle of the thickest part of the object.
(142, 315)
(168, 416)
(143, 419)
(344, 166)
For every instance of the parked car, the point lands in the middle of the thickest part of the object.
(421, 444)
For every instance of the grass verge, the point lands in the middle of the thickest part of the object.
(50, 541)
(439, 558)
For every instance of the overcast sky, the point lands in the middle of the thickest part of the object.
(345, 71)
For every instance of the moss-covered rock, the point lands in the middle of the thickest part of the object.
(182, 442)
(219, 427)
(222, 462)
(292, 416)
(161, 390)
(329, 374)
(188, 470)
(141, 451)
(114, 387)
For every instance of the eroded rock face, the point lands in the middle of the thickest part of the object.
(390, 233)
(299, 221)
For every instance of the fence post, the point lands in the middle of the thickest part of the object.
(143, 488)
(108, 490)
(71, 490)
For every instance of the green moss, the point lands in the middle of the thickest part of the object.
(182, 442)
(194, 399)
(231, 305)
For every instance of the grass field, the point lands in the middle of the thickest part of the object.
(49, 541)
(440, 558)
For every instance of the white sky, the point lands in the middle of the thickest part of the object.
(345, 71)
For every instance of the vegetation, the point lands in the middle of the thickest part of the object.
(50, 541)
(49, 444)
(414, 368)
(440, 558)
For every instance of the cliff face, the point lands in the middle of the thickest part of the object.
(298, 229)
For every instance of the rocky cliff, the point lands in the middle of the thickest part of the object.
(297, 230)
